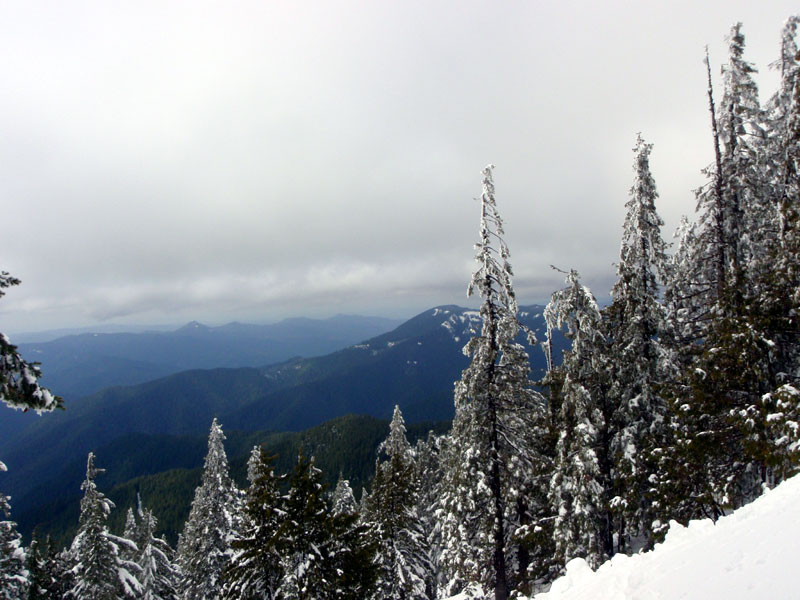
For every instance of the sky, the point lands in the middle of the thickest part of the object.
(162, 162)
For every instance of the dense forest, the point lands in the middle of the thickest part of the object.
(679, 400)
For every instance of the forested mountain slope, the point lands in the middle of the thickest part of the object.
(413, 366)
(165, 470)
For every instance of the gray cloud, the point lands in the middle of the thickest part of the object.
(164, 161)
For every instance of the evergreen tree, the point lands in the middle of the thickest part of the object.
(49, 571)
(304, 536)
(13, 574)
(403, 558)
(343, 501)
(428, 453)
(160, 577)
(489, 457)
(255, 567)
(132, 532)
(19, 386)
(720, 433)
(322, 556)
(204, 546)
(40, 577)
(100, 571)
(637, 359)
(580, 485)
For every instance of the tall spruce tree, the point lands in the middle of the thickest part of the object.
(322, 556)
(721, 441)
(427, 452)
(404, 562)
(160, 576)
(489, 455)
(204, 545)
(637, 359)
(255, 569)
(100, 571)
(580, 485)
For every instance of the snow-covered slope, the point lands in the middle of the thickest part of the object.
(751, 554)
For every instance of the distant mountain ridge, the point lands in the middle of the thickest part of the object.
(79, 365)
(413, 366)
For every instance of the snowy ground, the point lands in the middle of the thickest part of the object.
(751, 554)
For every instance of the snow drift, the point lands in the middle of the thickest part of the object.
(750, 554)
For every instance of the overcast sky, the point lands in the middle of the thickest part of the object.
(168, 161)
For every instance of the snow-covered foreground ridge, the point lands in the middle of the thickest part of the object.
(750, 554)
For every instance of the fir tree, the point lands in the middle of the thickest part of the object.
(255, 568)
(159, 575)
(403, 558)
(19, 386)
(204, 546)
(343, 501)
(579, 488)
(720, 434)
(100, 571)
(637, 359)
(322, 556)
(489, 456)
(304, 536)
(427, 454)
(13, 574)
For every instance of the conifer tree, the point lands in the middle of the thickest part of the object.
(304, 536)
(19, 386)
(50, 574)
(40, 562)
(322, 556)
(403, 556)
(579, 488)
(427, 454)
(100, 571)
(160, 577)
(343, 501)
(13, 574)
(719, 435)
(489, 456)
(255, 568)
(204, 545)
(637, 359)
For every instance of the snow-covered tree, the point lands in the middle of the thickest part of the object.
(255, 568)
(305, 535)
(13, 574)
(19, 385)
(343, 501)
(160, 576)
(580, 486)
(427, 453)
(637, 360)
(100, 571)
(204, 545)
(322, 556)
(49, 571)
(489, 456)
(403, 557)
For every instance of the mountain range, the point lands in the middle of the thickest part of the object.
(413, 366)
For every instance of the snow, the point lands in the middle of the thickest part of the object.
(750, 554)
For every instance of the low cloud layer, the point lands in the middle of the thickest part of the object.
(161, 163)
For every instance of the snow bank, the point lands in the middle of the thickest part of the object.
(751, 554)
